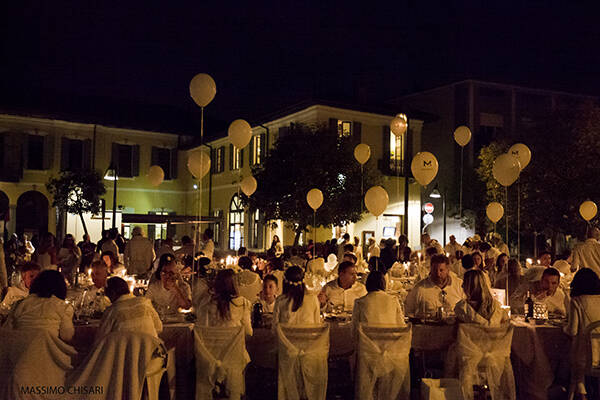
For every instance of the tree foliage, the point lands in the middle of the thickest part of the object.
(311, 157)
(77, 192)
(564, 171)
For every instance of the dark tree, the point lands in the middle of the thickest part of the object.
(311, 157)
(77, 192)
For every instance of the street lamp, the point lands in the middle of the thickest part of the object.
(112, 175)
(436, 194)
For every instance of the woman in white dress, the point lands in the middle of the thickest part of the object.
(224, 307)
(296, 306)
(479, 307)
(377, 307)
(584, 309)
(45, 307)
(169, 292)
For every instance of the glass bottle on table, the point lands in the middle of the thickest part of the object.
(528, 307)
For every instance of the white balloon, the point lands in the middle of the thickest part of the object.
(494, 211)
(248, 185)
(399, 124)
(522, 153)
(462, 135)
(424, 167)
(198, 163)
(588, 210)
(156, 175)
(203, 89)
(376, 200)
(240, 133)
(314, 198)
(362, 153)
(506, 169)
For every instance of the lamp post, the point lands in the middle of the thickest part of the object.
(436, 194)
(111, 174)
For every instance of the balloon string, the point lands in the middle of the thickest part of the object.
(461, 180)
(519, 219)
(506, 211)
(314, 233)
(362, 189)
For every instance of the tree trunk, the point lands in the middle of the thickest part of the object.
(83, 223)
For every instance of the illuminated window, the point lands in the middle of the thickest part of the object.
(396, 153)
(344, 128)
(256, 233)
(257, 149)
(218, 161)
(235, 157)
(236, 223)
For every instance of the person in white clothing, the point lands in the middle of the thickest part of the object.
(139, 253)
(29, 271)
(587, 254)
(584, 308)
(127, 312)
(248, 281)
(546, 290)
(439, 289)
(168, 292)
(268, 294)
(208, 246)
(341, 292)
(479, 307)
(166, 247)
(224, 307)
(296, 306)
(452, 247)
(377, 307)
(45, 307)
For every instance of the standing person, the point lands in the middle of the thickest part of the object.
(276, 247)
(88, 250)
(208, 246)
(584, 308)
(139, 253)
(587, 254)
(69, 257)
(296, 306)
(452, 247)
(109, 244)
(402, 249)
(103, 239)
(3, 271)
(45, 254)
(28, 247)
(358, 250)
(340, 249)
(374, 250)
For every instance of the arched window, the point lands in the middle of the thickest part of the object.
(236, 223)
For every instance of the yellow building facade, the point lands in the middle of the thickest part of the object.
(241, 227)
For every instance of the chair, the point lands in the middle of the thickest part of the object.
(592, 335)
(383, 370)
(484, 357)
(221, 358)
(30, 358)
(302, 356)
(123, 364)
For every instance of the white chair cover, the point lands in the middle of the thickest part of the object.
(303, 353)
(383, 369)
(221, 357)
(120, 363)
(486, 349)
(30, 358)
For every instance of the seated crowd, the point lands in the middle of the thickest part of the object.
(461, 285)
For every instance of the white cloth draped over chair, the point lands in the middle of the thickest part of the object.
(303, 353)
(221, 358)
(121, 364)
(30, 358)
(485, 351)
(383, 370)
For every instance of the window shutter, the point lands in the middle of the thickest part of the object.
(385, 162)
(114, 156)
(222, 159)
(213, 160)
(64, 154)
(135, 160)
(87, 153)
(241, 158)
(154, 156)
(25, 150)
(251, 151)
(13, 160)
(174, 164)
(231, 155)
(357, 132)
(333, 125)
(48, 161)
(263, 147)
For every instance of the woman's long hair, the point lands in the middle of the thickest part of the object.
(584, 282)
(478, 293)
(293, 286)
(224, 291)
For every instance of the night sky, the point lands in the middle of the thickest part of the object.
(264, 56)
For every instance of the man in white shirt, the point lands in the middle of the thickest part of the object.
(139, 253)
(427, 241)
(342, 292)
(546, 290)
(95, 296)
(208, 246)
(439, 289)
(452, 247)
(127, 312)
(587, 254)
(29, 271)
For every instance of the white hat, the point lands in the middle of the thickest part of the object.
(563, 267)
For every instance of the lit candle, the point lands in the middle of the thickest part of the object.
(529, 261)
(90, 272)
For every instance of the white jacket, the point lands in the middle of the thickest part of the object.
(138, 255)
